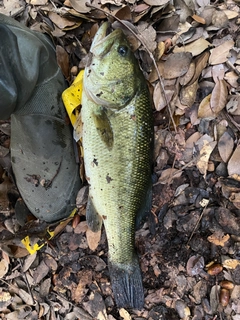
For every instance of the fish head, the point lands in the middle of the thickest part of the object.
(112, 76)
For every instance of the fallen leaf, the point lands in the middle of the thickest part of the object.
(148, 35)
(159, 98)
(3, 268)
(187, 77)
(168, 175)
(232, 78)
(5, 299)
(205, 110)
(219, 19)
(85, 279)
(205, 145)
(231, 263)
(219, 239)
(233, 105)
(200, 64)
(156, 2)
(63, 61)
(214, 298)
(220, 53)
(230, 14)
(218, 72)
(225, 146)
(93, 238)
(195, 47)
(199, 19)
(234, 164)
(124, 314)
(59, 21)
(219, 96)
(188, 94)
(96, 306)
(80, 6)
(174, 70)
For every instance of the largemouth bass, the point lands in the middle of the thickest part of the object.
(117, 142)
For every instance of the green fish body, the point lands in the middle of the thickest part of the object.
(117, 142)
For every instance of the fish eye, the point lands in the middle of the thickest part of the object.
(123, 50)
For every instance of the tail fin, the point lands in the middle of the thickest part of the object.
(126, 281)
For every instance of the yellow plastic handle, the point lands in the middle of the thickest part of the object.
(72, 97)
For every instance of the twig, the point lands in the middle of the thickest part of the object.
(150, 55)
(199, 219)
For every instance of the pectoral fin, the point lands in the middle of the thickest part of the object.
(94, 220)
(103, 127)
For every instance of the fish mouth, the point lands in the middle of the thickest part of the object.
(104, 40)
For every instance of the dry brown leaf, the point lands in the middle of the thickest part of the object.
(195, 47)
(233, 105)
(225, 146)
(93, 238)
(85, 278)
(59, 21)
(231, 263)
(159, 98)
(63, 60)
(219, 96)
(174, 70)
(200, 64)
(25, 296)
(3, 268)
(232, 78)
(205, 145)
(15, 251)
(218, 239)
(219, 19)
(234, 163)
(185, 79)
(231, 14)
(220, 53)
(218, 72)
(156, 2)
(11, 7)
(29, 261)
(198, 19)
(161, 47)
(38, 2)
(5, 299)
(188, 94)
(124, 314)
(124, 13)
(168, 175)
(148, 35)
(139, 8)
(205, 111)
(81, 227)
(80, 6)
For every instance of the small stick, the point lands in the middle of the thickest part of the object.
(194, 229)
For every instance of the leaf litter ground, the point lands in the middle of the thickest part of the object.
(189, 246)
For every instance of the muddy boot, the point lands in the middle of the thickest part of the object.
(42, 152)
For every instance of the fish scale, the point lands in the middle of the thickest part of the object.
(117, 143)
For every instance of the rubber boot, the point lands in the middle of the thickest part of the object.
(42, 151)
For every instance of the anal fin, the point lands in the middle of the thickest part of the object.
(94, 220)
